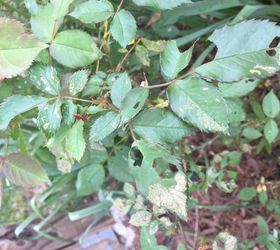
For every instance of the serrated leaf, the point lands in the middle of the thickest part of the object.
(22, 170)
(120, 88)
(271, 131)
(140, 218)
(118, 165)
(160, 4)
(172, 61)
(75, 142)
(271, 105)
(74, 49)
(90, 179)
(104, 126)
(49, 117)
(45, 78)
(242, 52)
(16, 105)
(123, 27)
(77, 82)
(49, 18)
(94, 11)
(159, 125)
(171, 198)
(133, 103)
(18, 48)
(237, 89)
(188, 100)
(69, 109)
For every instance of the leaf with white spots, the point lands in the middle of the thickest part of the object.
(49, 117)
(77, 82)
(171, 198)
(199, 103)
(104, 126)
(75, 142)
(140, 218)
(243, 52)
(18, 48)
(16, 105)
(69, 110)
(45, 78)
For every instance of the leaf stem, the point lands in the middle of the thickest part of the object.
(13, 9)
(191, 71)
(119, 7)
(81, 100)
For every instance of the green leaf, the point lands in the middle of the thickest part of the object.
(172, 61)
(120, 88)
(247, 194)
(45, 78)
(160, 126)
(32, 6)
(75, 142)
(271, 131)
(245, 57)
(236, 112)
(237, 89)
(90, 179)
(69, 109)
(49, 117)
(123, 27)
(94, 11)
(22, 170)
(104, 126)
(74, 49)
(149, 241)
(49, 18)
(160, 4)
(77, 82)
(18, 48)
(133, 103)
(16, 105)
(188, 100)
(271, 105)
(262, 225)
(251, 133)
(118, 165)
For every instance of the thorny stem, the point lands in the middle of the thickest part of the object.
(170, 82)
(120, 64)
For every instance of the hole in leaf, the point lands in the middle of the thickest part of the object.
(136, 105)
(271, 52)
(274, 42)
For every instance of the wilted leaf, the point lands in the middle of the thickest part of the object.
(229, 241)
(188, 100)
(123, 28)
(18, 48)
(74, 49)
(94, 11)
(16, 105)
(22, 170)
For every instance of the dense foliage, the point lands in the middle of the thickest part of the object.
(100, 97)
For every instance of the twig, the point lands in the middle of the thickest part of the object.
(196, 228)
(183, 233)
(120, 64)
(170, 82)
